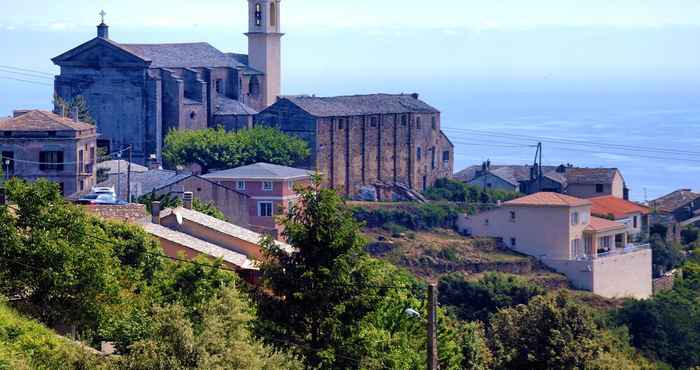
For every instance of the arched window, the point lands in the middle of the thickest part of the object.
(258, 14)
(253, 86)
(273, 14)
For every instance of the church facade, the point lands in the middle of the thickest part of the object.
(138, 92)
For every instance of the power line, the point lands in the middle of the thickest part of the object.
(29, 74)
(26, 70)
(27, 81)
(59, 163)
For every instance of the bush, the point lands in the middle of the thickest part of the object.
(665, 255)
(411, 216)
(457, 191)
(477, 300)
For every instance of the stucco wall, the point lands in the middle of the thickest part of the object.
(589, 190)
(624, 275)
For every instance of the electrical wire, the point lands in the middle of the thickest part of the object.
(27, 81)
(60, 163)
(26, 70)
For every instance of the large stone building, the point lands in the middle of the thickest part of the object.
(138, 92)
(366, 140)
(39, 144)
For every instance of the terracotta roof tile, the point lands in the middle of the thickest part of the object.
(619, 208)
(41, 120)
(548, 199)
(673, 201)
(127, 212)
(598, 224)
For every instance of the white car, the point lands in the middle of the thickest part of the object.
(104, 190)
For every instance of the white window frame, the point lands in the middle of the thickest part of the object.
(265, 188)
(266, 202)
(585, 218)
(290, 184)
(240, 185)
(574, 218)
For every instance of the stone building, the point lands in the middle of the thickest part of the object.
(39, 144)
(138, 92)
(362, 140)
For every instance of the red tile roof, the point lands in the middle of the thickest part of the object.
(598, 224)
(619, 208)
(548, 199)
(127, 212)
(41, 120)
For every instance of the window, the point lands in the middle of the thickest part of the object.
(82, 185)
(51, 133)
(634, 222)
(404, 120)
(265, 209)
(418, 123)
(512, 242)
(446, 157)
(220, 86)
(599, 188)
(253, 86)
(425, 183)
(273, 15)
(512, 216)
(7, 133)
(486, 222)
(373, 122)
(81, 161)
(267, 185)
(576, 250)
(240, 185)
(92, 154)
(193, 115)
(584, 218)
(51, 160)
(418, 154)
(290, 185)
(432, 158)
(8, 163)
(574, 218)
(433, 122)
(258, 14)
(341, 124)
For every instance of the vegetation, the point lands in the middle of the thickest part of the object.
(478, 300)
(665, 255)
(457, 191)
(412, 216)
(218, 149)
(172, 201)
(62, 106)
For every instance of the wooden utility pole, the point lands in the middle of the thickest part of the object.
(432, 327)
(128, 178)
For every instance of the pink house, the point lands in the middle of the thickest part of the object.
(558, 229)
(270, 188)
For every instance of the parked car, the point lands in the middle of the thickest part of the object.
(104, 190)
(99, 199)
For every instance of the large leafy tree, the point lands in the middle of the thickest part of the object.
(218, 149)
(62, 106)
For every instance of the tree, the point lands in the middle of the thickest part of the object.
(218, 149)
(477, 300)
(62, 106)
(665, 255)
(457, 191)
(550, 332)
(172, 201)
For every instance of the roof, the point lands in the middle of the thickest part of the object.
(598, 224)
(221, 226)
(578, 175)
(41, 120)
(512, 173)
(356, 105)
(562, 174)
(548, 199)
(672, 201)
(120, 166)
(225, 106)
(127, 212)
(260, 171)
(198, 245)
(197, 54)
(619, 208)
(150, 180)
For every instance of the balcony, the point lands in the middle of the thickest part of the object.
(627, 249)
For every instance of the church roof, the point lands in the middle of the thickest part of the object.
(41, 120)
(260, 171)
(357, 105)
(226, 106)
(196, 54)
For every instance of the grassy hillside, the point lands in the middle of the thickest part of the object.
(26, 344)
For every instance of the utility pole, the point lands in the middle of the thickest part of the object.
(128, 178)
(432, 327)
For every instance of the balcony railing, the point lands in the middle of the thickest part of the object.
(629, 248)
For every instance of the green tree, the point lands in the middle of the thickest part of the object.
(665, 255)
(218, 149)
(550, 332)
(477, 300)
(172, 201)
(457, 191)
(62, 106)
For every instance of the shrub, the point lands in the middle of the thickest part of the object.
(411, 216)
(457, 191)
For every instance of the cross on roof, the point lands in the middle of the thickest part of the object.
(102, 15)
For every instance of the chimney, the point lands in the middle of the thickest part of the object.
(74, 114)
(415, 96)
(187, 199)
(155, 212)
(153, 163)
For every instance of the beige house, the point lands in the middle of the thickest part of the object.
(558, 229)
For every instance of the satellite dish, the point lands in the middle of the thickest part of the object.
(178, 217)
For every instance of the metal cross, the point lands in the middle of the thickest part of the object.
(102, 14)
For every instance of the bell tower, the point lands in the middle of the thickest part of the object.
(265, 45)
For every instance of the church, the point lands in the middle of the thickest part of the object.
(138, 92)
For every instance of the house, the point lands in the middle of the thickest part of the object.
(578, 182)
(635, 217)
(558, 229)
(270, 188)
(358, 141)
(40, 144)
(138, 92)
(675, 210)
(183, 230)
(115, 166)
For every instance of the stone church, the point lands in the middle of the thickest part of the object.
(139, 92)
